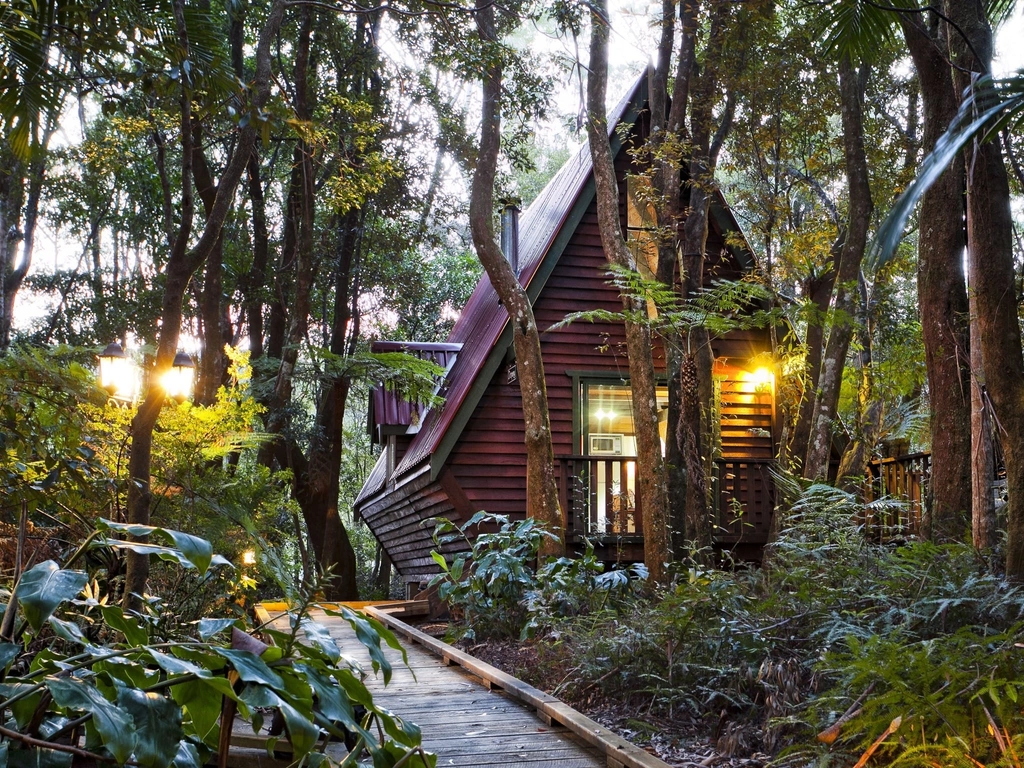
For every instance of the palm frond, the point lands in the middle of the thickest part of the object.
(991, 106)
(856, 29)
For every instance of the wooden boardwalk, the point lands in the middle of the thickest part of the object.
(463, 722)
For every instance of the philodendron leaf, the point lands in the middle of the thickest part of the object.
(203, 704)
(251, 668)
(8, 653)
(188, 549)
(188, 756)
(210, 627)
(37, 758)
(66, 629)
(113, 725)
(45, 586)
(197, 551)
(320, 637)
(157, 726)
(115, 619)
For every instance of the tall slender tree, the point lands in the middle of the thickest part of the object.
(541, 483)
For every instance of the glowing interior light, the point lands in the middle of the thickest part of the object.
(600, 415)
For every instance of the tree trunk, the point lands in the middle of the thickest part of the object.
(181, 265)
(541, 481)
(817, 291)
(942, 295)
(992, 279)
(668, 126)
(21, 190)
(854, 464)
(651, 485)
(983, 505)
(826, 398)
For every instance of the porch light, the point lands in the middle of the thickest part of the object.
(177, 382)
(118, 373)
(762, 379)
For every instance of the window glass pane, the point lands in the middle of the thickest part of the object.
(608, 419)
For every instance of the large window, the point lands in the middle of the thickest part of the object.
(609, 440)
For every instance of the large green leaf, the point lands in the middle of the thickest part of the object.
(172, 665)
(157, 726)
(188, 756)
(67, 630)
(370, 637)
(44, 587)
(203, 704)
(320, 637)
(187, 549)
(115, 619)
(8, 653)
(22, 709)
(38, 758)
(210, 627)
(251, 668)
(113, 725)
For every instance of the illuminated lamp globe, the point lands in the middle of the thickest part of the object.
(177, 382)
(118, 374)
(762, 378)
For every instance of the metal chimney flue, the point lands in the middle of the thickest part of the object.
(510, 234)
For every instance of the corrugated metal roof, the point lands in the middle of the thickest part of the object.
(389, 408)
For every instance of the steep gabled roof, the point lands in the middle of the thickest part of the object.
(483, 329)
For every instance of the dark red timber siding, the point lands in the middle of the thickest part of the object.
(462, 462)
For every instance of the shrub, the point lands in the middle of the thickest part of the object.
(142, 689)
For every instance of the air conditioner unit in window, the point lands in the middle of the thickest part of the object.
(605, 445)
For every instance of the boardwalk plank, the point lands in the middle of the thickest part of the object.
(463, 722)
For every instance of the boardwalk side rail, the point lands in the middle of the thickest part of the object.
(618, 752)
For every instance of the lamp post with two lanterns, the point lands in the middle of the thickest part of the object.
(120, 375)
(170, 377)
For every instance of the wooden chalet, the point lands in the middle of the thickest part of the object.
(469, 455)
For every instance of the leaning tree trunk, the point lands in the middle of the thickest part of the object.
(541, 482)
(992, 278)
(942, 295)
(826, 399)
(181, 266)
(650, 471)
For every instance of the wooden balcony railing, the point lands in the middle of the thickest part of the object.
(745, 496)
(599, 498)
(904, 478)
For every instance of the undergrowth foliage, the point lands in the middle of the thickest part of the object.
(838, 646)
(82, 679)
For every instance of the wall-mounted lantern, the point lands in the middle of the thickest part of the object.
(118, 373)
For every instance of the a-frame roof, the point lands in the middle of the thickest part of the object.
(483, 329)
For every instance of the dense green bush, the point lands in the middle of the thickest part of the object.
(79, 677)
(496, 590)
(773, 656)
